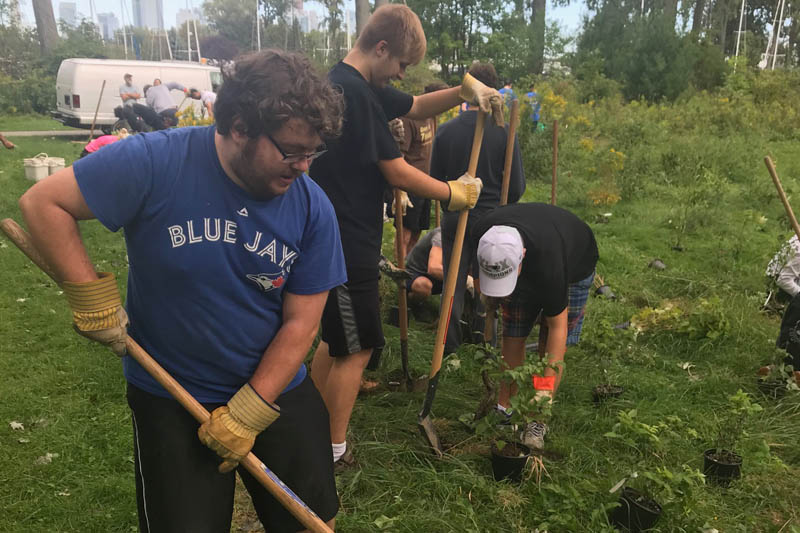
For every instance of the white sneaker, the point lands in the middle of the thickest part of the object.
(533, 436)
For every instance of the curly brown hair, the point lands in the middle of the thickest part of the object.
(265, 89)
(484, 73)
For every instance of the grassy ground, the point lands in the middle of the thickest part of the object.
(30, 123)
(678, 373)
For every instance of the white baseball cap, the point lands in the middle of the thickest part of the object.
(500, 253)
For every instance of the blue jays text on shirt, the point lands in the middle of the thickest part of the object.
(214, 230)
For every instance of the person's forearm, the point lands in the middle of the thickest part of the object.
(56, 236)
(283, 358)
(404, 176)
(431, 104)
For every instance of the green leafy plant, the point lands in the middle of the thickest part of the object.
(665, 486)
(733, 420)
(525, 407)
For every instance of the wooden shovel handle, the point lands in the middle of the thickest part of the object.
(512, 132)
(252, 464)
(455, 256)
(782, 195)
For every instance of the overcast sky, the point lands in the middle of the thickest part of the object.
(568, 17)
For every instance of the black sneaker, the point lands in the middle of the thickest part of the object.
(502, 419)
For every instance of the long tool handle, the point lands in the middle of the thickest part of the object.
(491, 308)
(96, 110)
(402, 296)
(554, 182)
(452, 274)
(264, 475)
(782, 195)
(512, 132)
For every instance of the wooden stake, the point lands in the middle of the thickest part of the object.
(555, 163)
(96, 109)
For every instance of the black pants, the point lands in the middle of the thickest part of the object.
(467, 265)
(179, 489)
(789, 336)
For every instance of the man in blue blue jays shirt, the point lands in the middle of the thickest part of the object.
(232, 252)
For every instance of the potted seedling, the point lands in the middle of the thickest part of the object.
(509, 456)
(776, 379)
(643, 495)
(601, 289)
(606, 342)
(722, 464)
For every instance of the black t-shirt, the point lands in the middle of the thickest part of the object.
(349, 173)
(417, 260)
(450, 159)
(560, 249)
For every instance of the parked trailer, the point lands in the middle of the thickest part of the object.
(79, 81)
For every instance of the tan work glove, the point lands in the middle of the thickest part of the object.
(405, 202)
(97, 311)
(489, 100)
(232, 429)
(464, 192)
(398, 130)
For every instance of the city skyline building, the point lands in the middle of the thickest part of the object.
(189, 14)
(109, 24)
(148, 14)
(68, 12)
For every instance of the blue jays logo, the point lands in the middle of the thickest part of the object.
(268, 282)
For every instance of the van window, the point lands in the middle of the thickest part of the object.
(216, 80)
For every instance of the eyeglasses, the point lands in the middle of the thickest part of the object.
(297, 158)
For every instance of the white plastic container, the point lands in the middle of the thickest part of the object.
(36, 167)
(54, 164)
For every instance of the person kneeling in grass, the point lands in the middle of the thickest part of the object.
(538, 259)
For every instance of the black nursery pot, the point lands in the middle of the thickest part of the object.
(636, 512)
(772, 389)
(509, 468)
(605, 291)
(602, 393)
(722, 468)
(393, 319)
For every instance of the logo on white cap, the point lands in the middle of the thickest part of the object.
(500, 252)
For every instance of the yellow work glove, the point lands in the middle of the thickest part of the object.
(398, 130)
(405, 203)
(489, 100)
(232, 429)
(97, 311)
(464, 192)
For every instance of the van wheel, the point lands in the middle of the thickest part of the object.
(118, 125)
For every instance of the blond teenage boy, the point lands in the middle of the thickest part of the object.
(354, 173)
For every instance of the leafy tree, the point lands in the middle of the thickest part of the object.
(232, 19)
(218, 47)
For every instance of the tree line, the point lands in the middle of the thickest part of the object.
(652, 49)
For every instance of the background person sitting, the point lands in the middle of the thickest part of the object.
(207, 99)
(424, 265)
(128, 91)
(159, 98)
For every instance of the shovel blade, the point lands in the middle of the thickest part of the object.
(425, 425)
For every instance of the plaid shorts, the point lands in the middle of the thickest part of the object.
(518, 318)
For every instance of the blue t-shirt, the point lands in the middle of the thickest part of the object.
(208, 264)
(508, 96)
(533, 101)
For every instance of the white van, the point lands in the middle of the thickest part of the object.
(79, 81)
